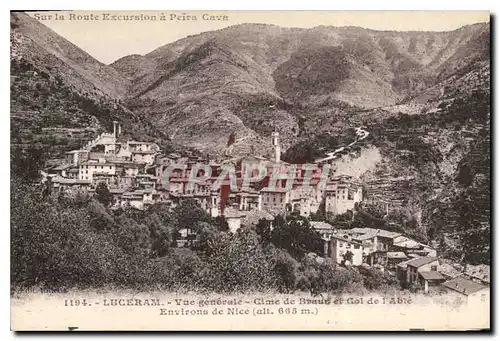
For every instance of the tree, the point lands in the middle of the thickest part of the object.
(161, 235)
(189, 215)
(263, 229)
(133, 237)
(221, 224)
(347, 257)
(47, 188)
(285, 269)
(296, 236)
(27, 163)
(53, 245)
(103, 195)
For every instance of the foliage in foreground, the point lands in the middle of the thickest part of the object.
(62, 242)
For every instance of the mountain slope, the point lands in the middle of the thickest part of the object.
(240, 77)
(55, 86)
(39, 43)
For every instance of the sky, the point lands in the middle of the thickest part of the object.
(108, 40)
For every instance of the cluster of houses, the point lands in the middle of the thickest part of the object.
(412, 262)
(134, 173)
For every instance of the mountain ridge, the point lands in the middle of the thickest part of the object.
(301, 67)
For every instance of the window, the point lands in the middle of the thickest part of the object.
(356, 246)
(434, 267)
(348, 245)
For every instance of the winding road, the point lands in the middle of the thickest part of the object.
(361, 134)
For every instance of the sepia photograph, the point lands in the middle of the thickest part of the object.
(250, 170)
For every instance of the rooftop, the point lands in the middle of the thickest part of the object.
(404, 264)
(368, 235)
(481, 271)
(418, 262)
(378, 232)
(449, 270)
(408, 244)
(65, 181)
(396, 255)
(344, 239)
(77, 151)
(97, 164)
(132, 195)
(253, 217)
(144, 152)
(464, 286)
(61, 167)
(321, 225)
(274, 190)
(118, 190)
(388, 234)
(103, 174)
(414, 255)
(230, 212)
(361, 230)
(139, 142)
(431, 275)
(248, 194)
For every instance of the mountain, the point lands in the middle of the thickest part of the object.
(60, 95)
(254, 78)
(39, 44)
(423, 97)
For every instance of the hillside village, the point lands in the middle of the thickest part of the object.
(133, 172)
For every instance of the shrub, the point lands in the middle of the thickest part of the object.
(325, 276)
(239, 263)
(374, 279)
(285, 270)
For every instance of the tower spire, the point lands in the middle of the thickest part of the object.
(276, 144)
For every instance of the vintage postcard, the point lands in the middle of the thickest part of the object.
(250, 170)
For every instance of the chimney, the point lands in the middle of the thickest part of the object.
(277, 148)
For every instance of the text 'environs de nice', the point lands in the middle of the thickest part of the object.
(132, 17)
